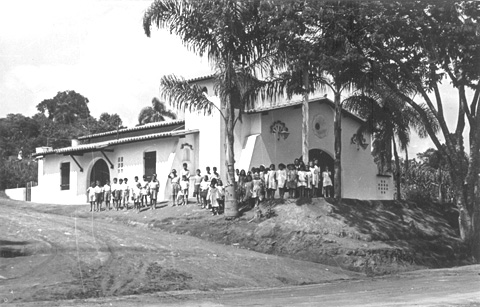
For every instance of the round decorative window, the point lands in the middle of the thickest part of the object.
(319, 126)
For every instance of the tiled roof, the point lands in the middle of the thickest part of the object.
(102, 145)
(201, 78)
(274, 107)
(137, 128)
(299, 102)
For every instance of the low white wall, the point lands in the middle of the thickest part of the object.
(16, 194)
(40, 195)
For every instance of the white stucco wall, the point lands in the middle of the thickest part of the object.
(210, 141)
(16, 194)
(168, 155)
(359, 172)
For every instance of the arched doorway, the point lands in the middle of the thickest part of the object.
(324, 160)
(100, 172)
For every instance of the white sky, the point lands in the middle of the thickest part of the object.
(97, 48)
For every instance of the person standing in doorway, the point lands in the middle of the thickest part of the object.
(98, 196)
(107, 194)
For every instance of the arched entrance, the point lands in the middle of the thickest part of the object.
(324, 159)
(100, 172)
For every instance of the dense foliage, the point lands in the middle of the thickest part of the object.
(155, 113)
(411, 47)
(60, 119)
(426, 179)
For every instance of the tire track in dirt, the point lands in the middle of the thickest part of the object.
(99, 256)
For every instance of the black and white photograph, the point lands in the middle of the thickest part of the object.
(239, 153)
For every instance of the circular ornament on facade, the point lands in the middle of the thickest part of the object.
(319, 126)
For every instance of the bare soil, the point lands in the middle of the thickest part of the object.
(65, 254)
(51, 253)
(372, 237)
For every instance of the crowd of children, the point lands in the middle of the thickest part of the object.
(297, 179)
(119, 194)
(207, 189)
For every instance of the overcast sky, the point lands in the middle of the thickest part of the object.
(97, 48)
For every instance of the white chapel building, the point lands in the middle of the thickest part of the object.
(270, 133)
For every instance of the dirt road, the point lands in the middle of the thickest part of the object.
(66, 257)
(442, 287)
(49, 256)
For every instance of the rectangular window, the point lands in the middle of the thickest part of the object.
(150, 159)
(120, 165)
(65, 176)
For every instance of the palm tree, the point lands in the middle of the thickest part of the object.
(156, 113)
(232, 35)
(314, 47)
(390, 119)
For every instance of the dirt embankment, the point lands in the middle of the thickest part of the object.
(373, 237)
(50, 253)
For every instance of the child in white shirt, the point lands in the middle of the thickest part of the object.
(197, 179)
(204, 186)
(91, 195)
(184, 184)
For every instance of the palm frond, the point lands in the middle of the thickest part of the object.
(184, 96)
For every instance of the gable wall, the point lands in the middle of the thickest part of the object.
(359, 178)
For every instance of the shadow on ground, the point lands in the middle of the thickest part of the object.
(373, 237)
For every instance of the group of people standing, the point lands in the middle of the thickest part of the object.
(142, 193)
(298, 179)
(207, 189)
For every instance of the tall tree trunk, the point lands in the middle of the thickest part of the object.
(407, 163)
(397, 170)
(440, 184)
(305, 106)
(231, 203)
(337, 163)
(472, 189)
(468, 204)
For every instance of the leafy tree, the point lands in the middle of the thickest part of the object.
(156, 113)
(15, 174)
(295, 58)
(435, 168)
(427, 178)
(65, 108)
(18, 132)
(314, 41)
(232, 35)
(423, 43)
(107, 122)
